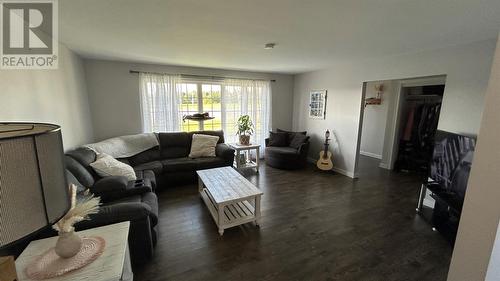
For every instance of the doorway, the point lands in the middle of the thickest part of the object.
(397, 124)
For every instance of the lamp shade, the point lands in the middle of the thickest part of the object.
(33, 188)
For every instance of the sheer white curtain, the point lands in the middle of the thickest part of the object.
(252, 97)
(160, 102)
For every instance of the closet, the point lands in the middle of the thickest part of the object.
(420, 108)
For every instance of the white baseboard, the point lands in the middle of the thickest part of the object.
(369, 154)
(338, 170)
(345, 173)
(384, 166)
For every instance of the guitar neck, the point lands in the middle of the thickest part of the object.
(326, 145)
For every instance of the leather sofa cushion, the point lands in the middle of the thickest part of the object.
(80, 189)
(178, 164)
(174, 145)
(149, 155)
(155, 166)
(189, 164)
(149, 204)
(151, 200)
(83, 155)
(79, 171)
(208, 163)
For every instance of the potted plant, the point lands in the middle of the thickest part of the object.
(245, 129)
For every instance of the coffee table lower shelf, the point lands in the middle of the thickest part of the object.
(232, 214)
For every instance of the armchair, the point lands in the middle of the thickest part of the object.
(287, 157)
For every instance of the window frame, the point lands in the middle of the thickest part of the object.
(199, 93)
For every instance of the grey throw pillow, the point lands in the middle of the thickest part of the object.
(291, 135)
(298, 140)
(278, 139)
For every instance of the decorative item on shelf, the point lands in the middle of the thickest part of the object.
(71, 252)
(69, 243)
(325, 156)
(198, 117)
(242, 158)
(245, 129)
(379, 88)
(317, 104)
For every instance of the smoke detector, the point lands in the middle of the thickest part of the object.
(269, 46)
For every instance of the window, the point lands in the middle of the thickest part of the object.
(199, 98)
(212, 103)
(166, 99)
(188, 105)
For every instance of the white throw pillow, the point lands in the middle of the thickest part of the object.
(203, 146)
(106, 165)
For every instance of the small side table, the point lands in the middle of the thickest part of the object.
(112, 265)
(243, 154)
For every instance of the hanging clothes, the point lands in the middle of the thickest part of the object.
(409, 125)
(415, 148)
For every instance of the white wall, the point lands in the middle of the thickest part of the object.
(375, 120)
(114, 94)
(467, 68)
(493, 271)
(55, 96)
(481, 211)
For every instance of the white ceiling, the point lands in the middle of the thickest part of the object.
(230, 34)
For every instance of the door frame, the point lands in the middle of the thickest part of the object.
(393, 125)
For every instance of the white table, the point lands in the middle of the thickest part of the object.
(112, 265)
(231, 199)
(246, 149)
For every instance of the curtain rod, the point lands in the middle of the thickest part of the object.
(202, 76)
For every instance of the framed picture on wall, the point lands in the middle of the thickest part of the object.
(317, 104)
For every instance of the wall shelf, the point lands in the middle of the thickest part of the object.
(373, 101)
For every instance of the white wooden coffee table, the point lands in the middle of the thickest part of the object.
(231, 199)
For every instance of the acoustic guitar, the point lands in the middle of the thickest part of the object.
(325, 157)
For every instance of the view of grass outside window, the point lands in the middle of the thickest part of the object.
(192, 102)
(212, 103)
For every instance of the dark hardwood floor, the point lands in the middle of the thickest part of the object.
(315, 226)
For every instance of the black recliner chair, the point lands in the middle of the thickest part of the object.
(121, 201)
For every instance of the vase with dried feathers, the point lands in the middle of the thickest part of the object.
(69, 243)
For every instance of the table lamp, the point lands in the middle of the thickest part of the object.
(33, 189)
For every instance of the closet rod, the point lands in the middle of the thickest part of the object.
(201, 76)
(424, 96)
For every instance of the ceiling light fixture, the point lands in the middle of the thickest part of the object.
(269, 46)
